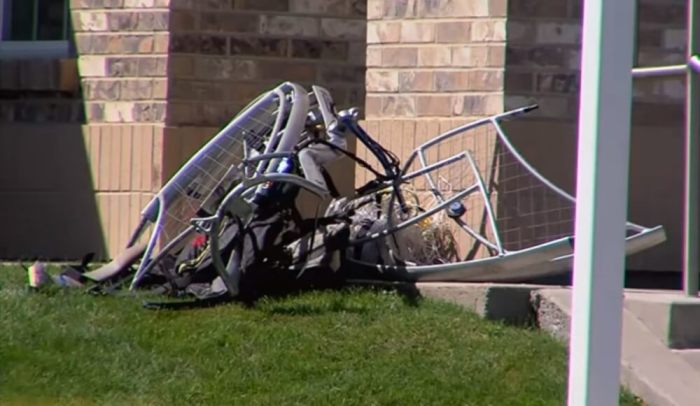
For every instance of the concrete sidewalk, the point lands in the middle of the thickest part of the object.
(660, 338)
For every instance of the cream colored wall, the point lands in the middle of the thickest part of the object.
(48, 209)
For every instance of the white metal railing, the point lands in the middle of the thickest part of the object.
(691, 224)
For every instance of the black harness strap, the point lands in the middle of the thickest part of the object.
(345, 152)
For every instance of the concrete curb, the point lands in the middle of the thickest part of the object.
(508, 303)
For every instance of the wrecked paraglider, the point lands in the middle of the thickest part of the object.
(464, 206)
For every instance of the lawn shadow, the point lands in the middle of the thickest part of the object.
(336, 305)
(406, 290)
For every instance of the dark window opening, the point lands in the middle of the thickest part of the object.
(35, 20)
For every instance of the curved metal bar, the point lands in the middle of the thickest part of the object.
(648, 238)
(168, 189)
(272, 143)
(670, 70)
(476, 235)
(451, 133)
(236, 193)
(502, 136)
(143, 222)
(504, 267)
(244, 186)
(527, 165)
(295, 123)
(162, 253)
(267, 156)
(457, 130)
(145, 259)
(432, 167)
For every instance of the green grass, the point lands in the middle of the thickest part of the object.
(351, 347)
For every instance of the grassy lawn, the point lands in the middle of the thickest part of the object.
(352, 347)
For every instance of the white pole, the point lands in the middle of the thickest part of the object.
(691, 256)
(601, 202)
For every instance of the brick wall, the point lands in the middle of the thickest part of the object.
(431, 66)
(227, 52)
(223, 53)
(122, 50)
(543, 66)
(435, 59)
(40, 91)
(435, 64)
(544, 55)
(154, 80)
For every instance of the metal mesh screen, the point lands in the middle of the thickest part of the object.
(527, 210)
(207, 174)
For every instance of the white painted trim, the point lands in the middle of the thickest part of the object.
(34, 49)
(601, 202)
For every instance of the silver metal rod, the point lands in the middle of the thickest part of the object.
(476, 235)
(487, 203)
(438, 196)
(690, 249)
(146, 258)
(274, 135)
(433, 187)
(167, 249)
(267, 157)
(670, 70)
(474, 124)
(433, 167)
(383, 233)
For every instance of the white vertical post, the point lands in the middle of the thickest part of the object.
(691, 227)
(601, 202)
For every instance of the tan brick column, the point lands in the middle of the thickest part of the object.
(161, 76)
(223, 53)
(122, 47)
(431, 65)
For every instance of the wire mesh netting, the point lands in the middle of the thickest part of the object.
(214, 170)
(527, 210)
